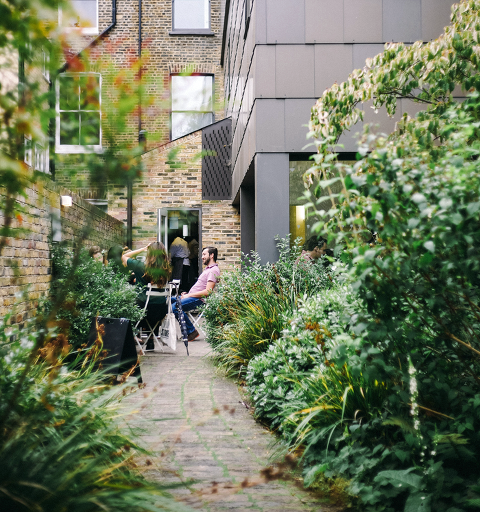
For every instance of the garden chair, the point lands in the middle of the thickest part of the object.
(195, 315)
(145, 333)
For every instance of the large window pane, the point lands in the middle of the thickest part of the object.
(90, 128)
(190, 14)
(89, 92)
(69, 93)
(83, 14)
(79, 115)
(69, 128)
(183, 123)
(192, 92)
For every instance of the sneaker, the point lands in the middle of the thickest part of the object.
(193, 335)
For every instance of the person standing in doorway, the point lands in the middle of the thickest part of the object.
(201, 289)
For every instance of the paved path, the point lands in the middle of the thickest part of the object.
(209, 437)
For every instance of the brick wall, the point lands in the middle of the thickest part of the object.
(164, 53)
(162, 186)
(25, 261)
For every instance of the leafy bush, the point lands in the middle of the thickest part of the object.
(418, 328)
(90, 289)
(251, 307)
(274, 377)
(64, 444)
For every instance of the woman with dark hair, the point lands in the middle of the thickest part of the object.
(155, 270)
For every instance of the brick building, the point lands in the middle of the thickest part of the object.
(180, 42)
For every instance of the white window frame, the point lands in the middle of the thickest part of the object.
(46, 64)
(75, 148)
(41, 156)
(28, 152)
(191, 111)
(37, 154)
(83, 30)
(190, 29)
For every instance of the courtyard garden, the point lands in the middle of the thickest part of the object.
(365, 364)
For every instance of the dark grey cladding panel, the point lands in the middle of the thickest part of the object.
(272, 197)
(324, 21)
(363, 21)
(216, 170)
(297, 115)
(285, 21)
(361, 52)
(259, 21)
(294, 71)
(270, 125)
(333, 63)
(402, 20)
(435, 16)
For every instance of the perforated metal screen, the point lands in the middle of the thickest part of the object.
(216, 170)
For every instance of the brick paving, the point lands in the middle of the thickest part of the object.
(205, 440)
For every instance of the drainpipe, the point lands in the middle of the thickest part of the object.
(141, 133)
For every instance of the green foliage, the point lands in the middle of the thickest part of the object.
(91, 289)
(274, 378)
(64, 440)
(250, 307)
(424, 73)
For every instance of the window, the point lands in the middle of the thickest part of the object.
(83, 14)
(27, 152)
(247, 18)
(36, 155)
(40, 157)
(46, 64)
(78, 127)
(191, 14)
(192, 103)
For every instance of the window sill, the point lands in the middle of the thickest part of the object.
(191, 32)
(74, 149)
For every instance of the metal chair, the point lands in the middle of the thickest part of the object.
(191, 314)
(195, 315)
(142, 339)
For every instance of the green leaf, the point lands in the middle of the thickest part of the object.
(430, 246)
(400, 478)
(418, 502)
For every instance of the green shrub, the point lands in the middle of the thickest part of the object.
(273, 377)
(64, 440)
(418, 328)
(252, 306)
(90, 289)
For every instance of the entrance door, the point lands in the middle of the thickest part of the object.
(184, 223)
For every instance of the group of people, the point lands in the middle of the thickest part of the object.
(157, 270)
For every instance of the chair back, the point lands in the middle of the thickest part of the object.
(157, 292)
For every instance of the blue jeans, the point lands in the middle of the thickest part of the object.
(187, 305)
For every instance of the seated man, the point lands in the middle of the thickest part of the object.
(314, 248)
(202, 288)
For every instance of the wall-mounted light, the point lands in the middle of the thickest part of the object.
(66, 200)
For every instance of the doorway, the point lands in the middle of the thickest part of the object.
(181, 225)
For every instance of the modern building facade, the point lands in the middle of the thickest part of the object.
(278, 57)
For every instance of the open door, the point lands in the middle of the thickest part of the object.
(184, 223)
